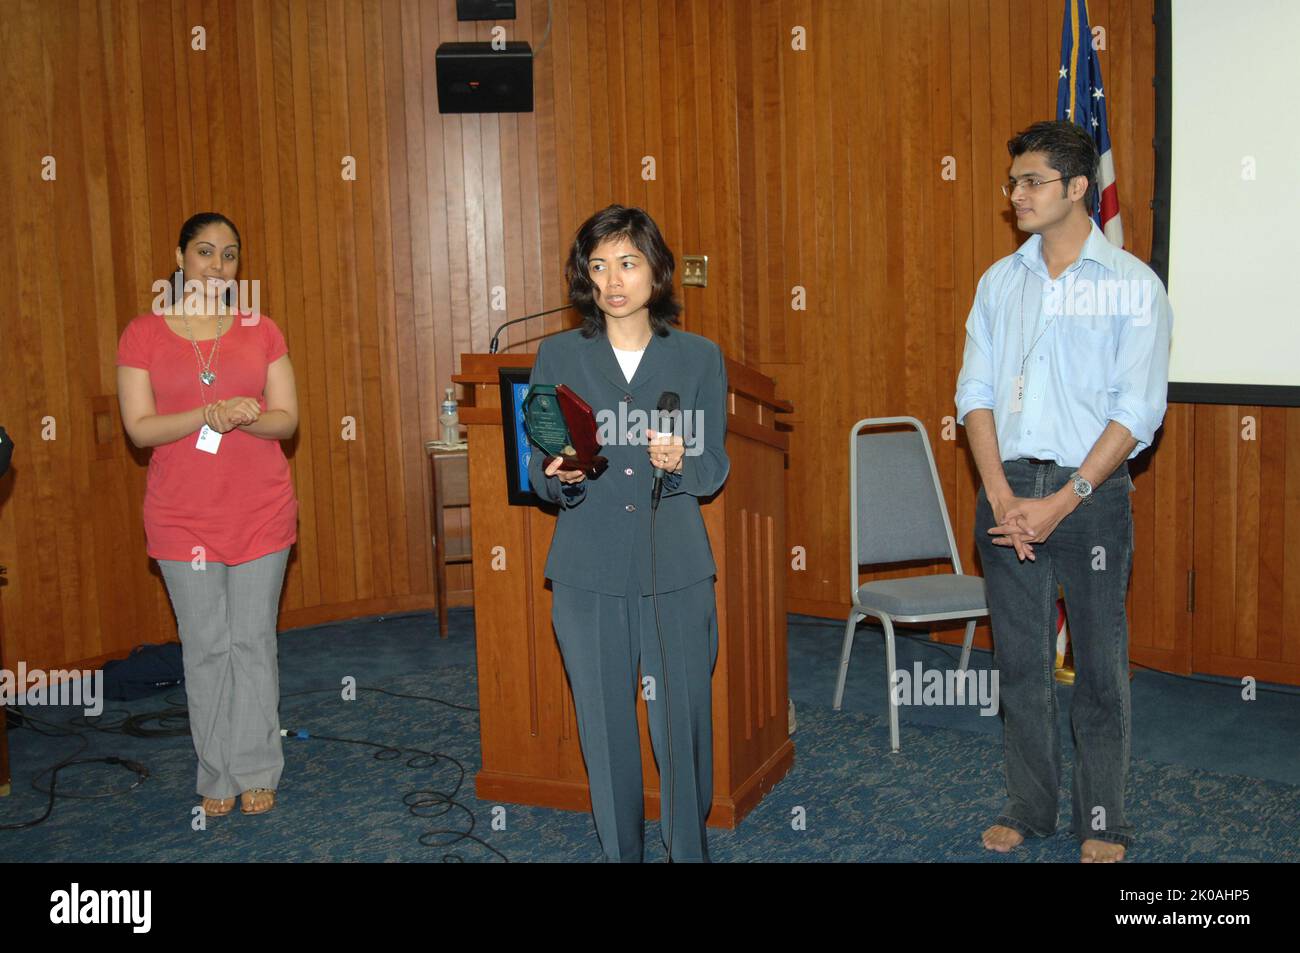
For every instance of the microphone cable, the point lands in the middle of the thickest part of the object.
(28, 721)
(668, 402)
(668, 707)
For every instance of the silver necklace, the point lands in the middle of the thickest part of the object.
(206, 373)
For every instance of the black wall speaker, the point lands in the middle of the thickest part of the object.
(474, 78)
(485, 9)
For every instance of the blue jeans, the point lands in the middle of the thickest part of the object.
(1089, 554)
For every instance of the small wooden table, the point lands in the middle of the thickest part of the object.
(449, 478)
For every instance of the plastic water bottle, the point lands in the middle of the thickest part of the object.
(450, 419)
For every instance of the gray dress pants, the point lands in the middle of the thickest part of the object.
(602, 639)
(226, 617)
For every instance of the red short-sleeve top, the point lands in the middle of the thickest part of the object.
(238, 504)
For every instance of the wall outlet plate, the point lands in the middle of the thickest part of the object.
(695, 270)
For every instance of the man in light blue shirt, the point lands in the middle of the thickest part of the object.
(1063, 380)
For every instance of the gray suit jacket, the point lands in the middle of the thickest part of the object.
(603, 529)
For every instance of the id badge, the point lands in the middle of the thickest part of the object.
(209, 440)
(1018, 401)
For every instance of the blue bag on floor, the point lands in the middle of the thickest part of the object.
(147, 670)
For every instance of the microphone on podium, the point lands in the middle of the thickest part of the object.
(492, 347)
(669, 404)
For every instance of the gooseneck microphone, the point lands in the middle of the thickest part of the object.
(669, 404)
(492, 348)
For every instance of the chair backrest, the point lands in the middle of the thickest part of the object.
(896, 509)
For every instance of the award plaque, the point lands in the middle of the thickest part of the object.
(561, 423)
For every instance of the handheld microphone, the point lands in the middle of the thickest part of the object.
(492, 347)
(669, 404)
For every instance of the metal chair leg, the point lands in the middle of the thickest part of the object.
(854, 618)
(890, 664)
(965, 646)
(965, 661)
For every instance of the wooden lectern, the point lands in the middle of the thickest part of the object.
(531, 752)
(4, 724)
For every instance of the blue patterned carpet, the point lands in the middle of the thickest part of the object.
(338, 802)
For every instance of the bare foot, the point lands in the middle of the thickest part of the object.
(1101, 852)
(257, 800)
(1001, 839)
(218, 807)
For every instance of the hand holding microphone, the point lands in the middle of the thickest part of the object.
(665, 448)
(666, 452)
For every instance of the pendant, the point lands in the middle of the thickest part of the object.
(208, 378)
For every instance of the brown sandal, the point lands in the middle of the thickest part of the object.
(218, 807)
(257, 800)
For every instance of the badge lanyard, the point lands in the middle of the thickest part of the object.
(209, 439)
(1018, 403)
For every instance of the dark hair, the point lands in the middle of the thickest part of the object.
(189, 231)
(1070, 151)
(634, 224)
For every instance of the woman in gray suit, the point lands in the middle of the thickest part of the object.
(615, 606)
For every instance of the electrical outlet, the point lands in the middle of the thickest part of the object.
(695, 270)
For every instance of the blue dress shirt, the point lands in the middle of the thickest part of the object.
(1092, 346)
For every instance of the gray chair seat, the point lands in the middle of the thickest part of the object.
(924, 595)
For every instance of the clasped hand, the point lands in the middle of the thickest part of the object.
(1021, 522)
(225, 415)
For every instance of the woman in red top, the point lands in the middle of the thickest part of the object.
(211, 390)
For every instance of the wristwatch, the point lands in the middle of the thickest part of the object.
(1082, 488)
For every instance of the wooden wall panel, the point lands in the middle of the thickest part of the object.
(1245, 525)
(379, 283)
(818, 169)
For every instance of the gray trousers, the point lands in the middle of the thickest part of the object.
(602, 638)
(226, 617)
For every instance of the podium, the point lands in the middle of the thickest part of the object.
(529, 729)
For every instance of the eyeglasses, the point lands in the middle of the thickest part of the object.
(1009, 187)
(1030, 184)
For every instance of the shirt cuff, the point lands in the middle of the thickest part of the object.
(1141, 431)
(966, 404)
(571, 494)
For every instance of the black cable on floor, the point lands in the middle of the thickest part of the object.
(174, 722)
(420, 799)
(171, 722)
(384, 691)
(40, 726)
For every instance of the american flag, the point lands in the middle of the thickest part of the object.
(1081, 98)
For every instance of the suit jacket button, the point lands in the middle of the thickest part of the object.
(628, 471)
(627, 398)
(630, 508)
